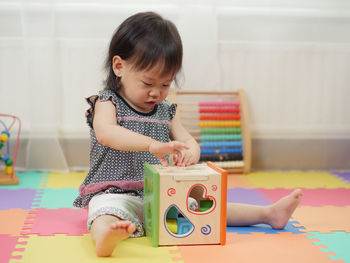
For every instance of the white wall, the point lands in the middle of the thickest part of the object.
(294, 65)
(291, 57)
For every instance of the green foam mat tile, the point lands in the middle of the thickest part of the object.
(336, 242)
(31, 180)
(56, 198)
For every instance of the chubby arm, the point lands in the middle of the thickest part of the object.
(186, 156)
(112, 135)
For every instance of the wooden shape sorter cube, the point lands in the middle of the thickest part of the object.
(185, 205)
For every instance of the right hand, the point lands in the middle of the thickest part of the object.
(162, 149)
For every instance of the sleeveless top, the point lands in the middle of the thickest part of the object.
(115, 171)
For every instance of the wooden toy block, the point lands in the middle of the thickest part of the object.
(185, 205)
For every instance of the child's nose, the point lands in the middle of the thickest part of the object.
(155, 93)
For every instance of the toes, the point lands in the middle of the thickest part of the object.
(298, 193)
(124, 225)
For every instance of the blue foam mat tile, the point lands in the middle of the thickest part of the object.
(263, 228)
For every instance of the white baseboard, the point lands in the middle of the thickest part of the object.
(267, 153)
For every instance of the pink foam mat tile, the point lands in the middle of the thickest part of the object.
(7, 246)
(312, 197)
(68, 221)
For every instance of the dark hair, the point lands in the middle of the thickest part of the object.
(146, 40)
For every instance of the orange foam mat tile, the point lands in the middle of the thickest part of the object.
(325, 219)
(12, 221)
(258, 247)
(63, 248)
(65, 180)
(236, 180)
(295, 179)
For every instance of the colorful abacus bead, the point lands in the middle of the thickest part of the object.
(221, 139)
(219, 124)
(4, 136)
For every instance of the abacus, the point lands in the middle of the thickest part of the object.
(219, 121)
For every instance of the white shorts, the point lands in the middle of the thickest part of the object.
(124, 206)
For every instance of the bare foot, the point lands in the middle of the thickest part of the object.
(281, 211)
(108, 240)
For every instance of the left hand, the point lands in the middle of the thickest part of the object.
(184, 158)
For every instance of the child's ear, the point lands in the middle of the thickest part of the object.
(118, 64)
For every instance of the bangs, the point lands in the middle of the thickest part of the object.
(164, 66)
(158, 51)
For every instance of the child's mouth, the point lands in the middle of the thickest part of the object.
(151, 103)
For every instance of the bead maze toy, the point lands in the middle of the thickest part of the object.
(8, 176)
(185, 205)
(219, 121)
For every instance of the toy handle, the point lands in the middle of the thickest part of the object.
(190, 178)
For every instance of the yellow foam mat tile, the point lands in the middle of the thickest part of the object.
(65, 180)
(294, 179)
(325, 219)
(63, 248)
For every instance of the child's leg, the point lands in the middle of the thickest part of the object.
(276, 215)
(107, 231)
(113, 218)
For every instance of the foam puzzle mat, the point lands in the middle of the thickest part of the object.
(39, 223)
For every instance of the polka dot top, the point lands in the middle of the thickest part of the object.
(115, 171)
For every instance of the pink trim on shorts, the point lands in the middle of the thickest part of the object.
(127, 185)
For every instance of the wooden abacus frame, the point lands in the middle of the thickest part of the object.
(186, 115)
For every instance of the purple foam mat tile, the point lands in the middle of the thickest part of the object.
(246, 196)
(16, 198)
(343, 175)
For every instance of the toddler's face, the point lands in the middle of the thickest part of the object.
(144, 89)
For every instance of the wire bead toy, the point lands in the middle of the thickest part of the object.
(8, 175)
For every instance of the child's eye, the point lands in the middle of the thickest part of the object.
(147, 84)
(166, 85)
